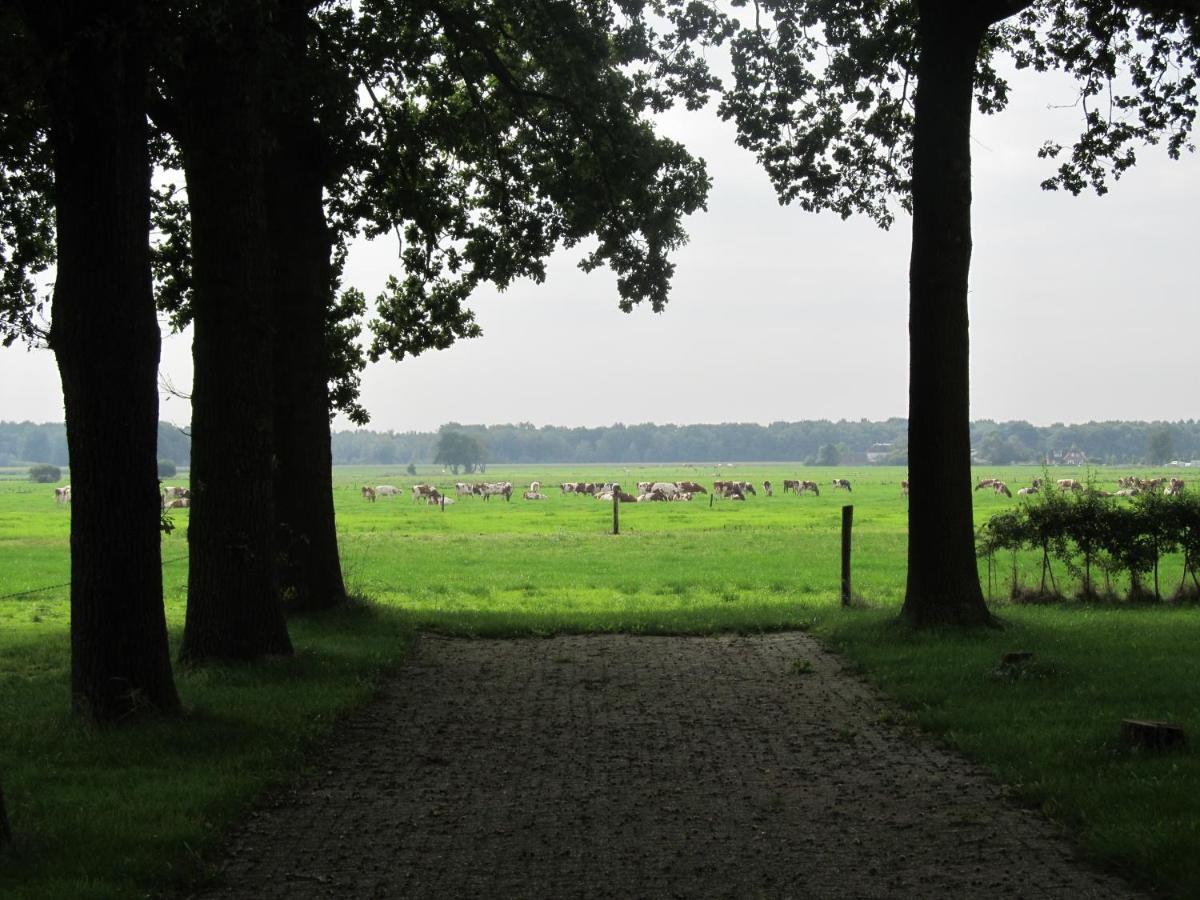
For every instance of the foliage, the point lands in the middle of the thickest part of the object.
(44, 473)
(822, 91)
(1160, 444)
(1088, 529)
(456, 449)
(829, 455)
(167, 468)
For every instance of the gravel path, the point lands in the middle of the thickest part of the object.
(619, 766)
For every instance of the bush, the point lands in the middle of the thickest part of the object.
(45, 473)
(166, 468)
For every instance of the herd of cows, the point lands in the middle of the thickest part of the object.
(668, 491)
(647, 491)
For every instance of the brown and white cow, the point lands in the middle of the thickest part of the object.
(904, 489)
(841, 484)
(1069, 484)
(791, 484)
(767, 488)
(692, 487)
(808, 487)
(1001, 488)
(368, 493)
(1175, 487)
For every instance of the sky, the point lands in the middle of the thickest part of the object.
(1082, 308)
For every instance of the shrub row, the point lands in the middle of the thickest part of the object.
(1089, 531)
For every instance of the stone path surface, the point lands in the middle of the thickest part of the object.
(621, 766)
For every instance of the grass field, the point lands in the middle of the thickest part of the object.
(111, 812)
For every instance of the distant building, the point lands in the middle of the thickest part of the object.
(877, 452)
(1070, 457)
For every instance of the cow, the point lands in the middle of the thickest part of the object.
(1175, 487)
(791, 484)
(669, 488)
(767, 488)
(807, 486)
(387, 490)
(534, 495)
(437, 498)
(173, 491)
(535, 486)
(368, 493)
(841, 484)
(179, 503)
(904, 489)
(567, 487)
(1028, 491)
(1069, 484)
(462, 489)
(985, 483)
(652, 497)
(1001, 488)
(419, 491)
(692, 487)
(62, 495)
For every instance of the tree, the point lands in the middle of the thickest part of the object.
(494, 132)
(1160, 446)
(829, 455)
(44, 473)
(82, 146)
(6, 837)
(856, 106)
(456, 449)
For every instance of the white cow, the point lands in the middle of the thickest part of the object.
(62, 495)
(386, 490)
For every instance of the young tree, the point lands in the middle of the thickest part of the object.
(1160, 445)
(457, 449)
(89, 112)
(854, 106)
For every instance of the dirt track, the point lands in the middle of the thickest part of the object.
(618, 766)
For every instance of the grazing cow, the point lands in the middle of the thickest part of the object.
(985, 483)
(692, 487)
(841, 483)
(462, 489)
(904, 489)
(1069, 484)
(1027, 491)
(567, 487)
(419, 491)
(1175, 487)
(767, 488)
(368, 493)
(437, 498)
(791, 484)
(808, 486)
(62, 495)
(1001, 488)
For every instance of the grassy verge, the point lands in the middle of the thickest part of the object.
(111, 812)
(1050, 729)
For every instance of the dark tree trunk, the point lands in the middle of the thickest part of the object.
(6, 837)
(233, 600)
(943, 577)
(310, 570)
(105, 338)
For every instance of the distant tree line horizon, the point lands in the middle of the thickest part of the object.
(810, 442)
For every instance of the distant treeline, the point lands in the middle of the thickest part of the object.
(847, 443)
(24, 443)
(999, 443)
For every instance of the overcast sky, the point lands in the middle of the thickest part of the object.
(1082, 308)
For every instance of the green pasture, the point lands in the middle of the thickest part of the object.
(122, 811)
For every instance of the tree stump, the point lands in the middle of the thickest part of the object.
(1155, 736)
(1016, 658)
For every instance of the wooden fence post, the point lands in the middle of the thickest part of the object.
(616, 516)
(847, 526)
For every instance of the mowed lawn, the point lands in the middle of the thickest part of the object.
(117, 811)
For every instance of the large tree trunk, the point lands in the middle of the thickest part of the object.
(233, 600)
(302, 283)
(6, 837)
(943, 576)
(105, 338)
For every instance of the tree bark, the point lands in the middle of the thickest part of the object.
(6, 837)
(943, 577)
(106, 340)
(233, 599)
(310, 570)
